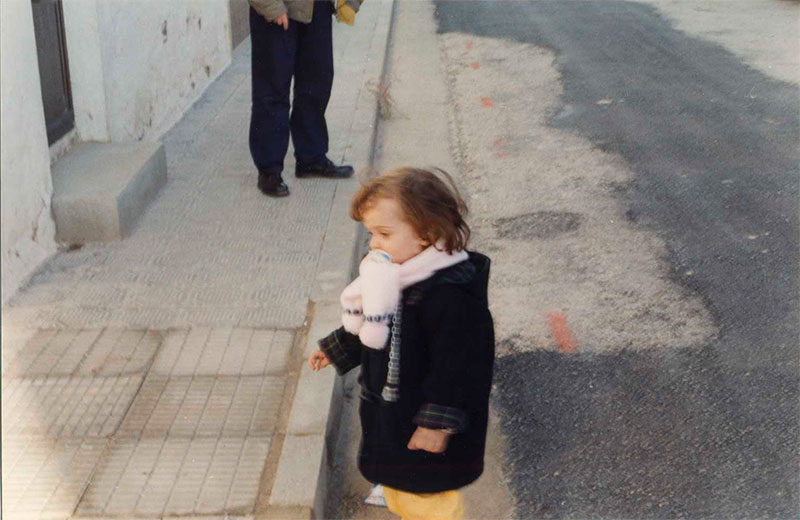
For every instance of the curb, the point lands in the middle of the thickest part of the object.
(301, 479)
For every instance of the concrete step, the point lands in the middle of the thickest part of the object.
(101, 189)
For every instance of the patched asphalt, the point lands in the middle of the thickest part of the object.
(713, 143)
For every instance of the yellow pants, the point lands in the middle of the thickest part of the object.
(447, 505)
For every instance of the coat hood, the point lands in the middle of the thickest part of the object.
(472, 274)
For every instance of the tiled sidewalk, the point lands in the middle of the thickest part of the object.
(147, 378)
(164, 424)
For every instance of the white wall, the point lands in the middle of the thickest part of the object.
(154, 59)
(86, 69)
(27, 229)
(136, 66)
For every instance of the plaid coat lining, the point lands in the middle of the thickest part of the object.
(438, 417)
(345, 355)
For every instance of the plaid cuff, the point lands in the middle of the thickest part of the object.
(438, 417)
(342, 353)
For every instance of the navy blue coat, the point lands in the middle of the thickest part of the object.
(446, 362)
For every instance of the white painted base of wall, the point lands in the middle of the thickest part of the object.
(27, 254)
(28, 230)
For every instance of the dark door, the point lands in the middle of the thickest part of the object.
(48, 25)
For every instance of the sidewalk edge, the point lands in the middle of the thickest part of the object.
(301, 480)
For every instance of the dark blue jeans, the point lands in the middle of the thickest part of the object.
(305, 51)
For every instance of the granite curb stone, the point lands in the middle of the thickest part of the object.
(300, 490)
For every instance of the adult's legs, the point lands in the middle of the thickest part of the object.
(313, 79)
(273, 59)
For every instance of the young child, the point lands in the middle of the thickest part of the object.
(417, 321)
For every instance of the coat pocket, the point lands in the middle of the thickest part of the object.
(378, 422)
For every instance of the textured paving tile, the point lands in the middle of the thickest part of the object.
(204, 406)
(66, 407)
(223, 352)
(177, 476)
(90, 352)
(119, 351)
(45, 478)
(25, 354)
(13, 340)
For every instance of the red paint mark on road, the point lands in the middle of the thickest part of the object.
(475, 65)
(469, 46)
(487, 102)
(498, 147)
(564, 340)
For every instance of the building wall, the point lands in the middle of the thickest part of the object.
(136, 66)
(154, 58)
(240, 21)
(27, 231)
(84, 51)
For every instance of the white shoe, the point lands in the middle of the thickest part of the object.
(375, 497)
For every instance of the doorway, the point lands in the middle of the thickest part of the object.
(51, 48)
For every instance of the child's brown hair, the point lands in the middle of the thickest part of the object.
(435, 210)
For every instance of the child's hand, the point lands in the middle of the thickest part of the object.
(318, 360)
(434, 441)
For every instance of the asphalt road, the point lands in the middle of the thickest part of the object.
(713, 143)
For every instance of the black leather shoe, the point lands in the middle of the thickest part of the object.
(272, 185)
(324, 169)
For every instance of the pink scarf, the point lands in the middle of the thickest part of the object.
(370, 301)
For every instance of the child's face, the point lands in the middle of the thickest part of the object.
(391, 232)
